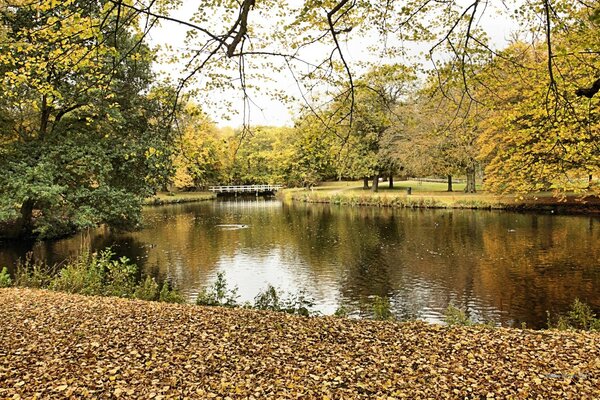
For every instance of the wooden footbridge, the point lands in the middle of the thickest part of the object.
(240, 189)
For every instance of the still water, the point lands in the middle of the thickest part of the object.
(503, 267)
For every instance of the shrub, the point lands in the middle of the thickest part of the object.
(219, 294)
(455, 316)
(168, 294)
(341, 312)
(97, 274)
(32, 274)
(269, 299)
(5, 280)
(82, 275)
(119, 275)
(382, 308)
(580, 316)
(147, 290)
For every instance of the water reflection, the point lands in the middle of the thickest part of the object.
(505, 267)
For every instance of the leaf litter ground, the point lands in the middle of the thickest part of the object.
(56, 345)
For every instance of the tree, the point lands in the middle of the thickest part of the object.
(366, 145)
(201, 151)
(84, 139)
(537, 139)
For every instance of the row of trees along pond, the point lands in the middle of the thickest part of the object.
(88, 131)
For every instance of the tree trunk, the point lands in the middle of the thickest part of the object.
(375, 186)
(450, 183)
(590, 179)
(391, 181)
(24, 226)
(365, 183)
(470, 188)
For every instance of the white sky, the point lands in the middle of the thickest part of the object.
(268, 111)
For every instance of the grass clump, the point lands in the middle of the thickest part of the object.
(270, 299)
(382, 309)
(580, 316)
(32, 274)
(168, 294)
(147, 290)
(97, 274)
(5, 280)
(454, 316)
(341, 312)
(94, 274)
(219, 294)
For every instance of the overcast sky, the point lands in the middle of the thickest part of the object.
(268, 111)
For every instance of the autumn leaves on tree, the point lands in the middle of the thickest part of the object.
(88, 131)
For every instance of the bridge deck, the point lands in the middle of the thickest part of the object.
(245, 188)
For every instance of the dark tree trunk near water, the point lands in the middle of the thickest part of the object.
(450, 183)
(375, 186)
(470, 188)
(23, 226)
(366, 183)
(391, 181)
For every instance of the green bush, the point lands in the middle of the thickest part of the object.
(119, 276)
(580, 316)
(219, 294)
(147, 290)
(269, 299)
(382, 309)
(82, 275)
(32, 274)
(5, 280)
(168, 294)
(455, 316)
(97, 274)
(341, 312)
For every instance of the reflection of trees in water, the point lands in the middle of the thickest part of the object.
(541, 263)
(501, 266)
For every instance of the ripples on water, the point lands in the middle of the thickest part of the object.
(503, 267)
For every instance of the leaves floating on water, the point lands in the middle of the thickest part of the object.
(69, 346)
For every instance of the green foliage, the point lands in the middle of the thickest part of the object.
(168, 294)
(341, 312)
(454, 316)
(97, 274)
(218, 294)
(83, 137)
(5, 280)
(32, 274)
(84, 275)
(147, 290)
(580, 316)
(270, 299)
(382, 308)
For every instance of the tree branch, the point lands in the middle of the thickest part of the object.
(589, 92)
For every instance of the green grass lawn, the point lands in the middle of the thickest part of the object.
(435, 195)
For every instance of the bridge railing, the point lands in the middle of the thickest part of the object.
(245, 188)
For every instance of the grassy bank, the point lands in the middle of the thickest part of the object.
(178, 197)
(434, 195)
(56, 345)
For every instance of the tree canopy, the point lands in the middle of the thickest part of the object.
(87, 130)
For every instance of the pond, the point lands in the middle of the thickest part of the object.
(503, 267)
